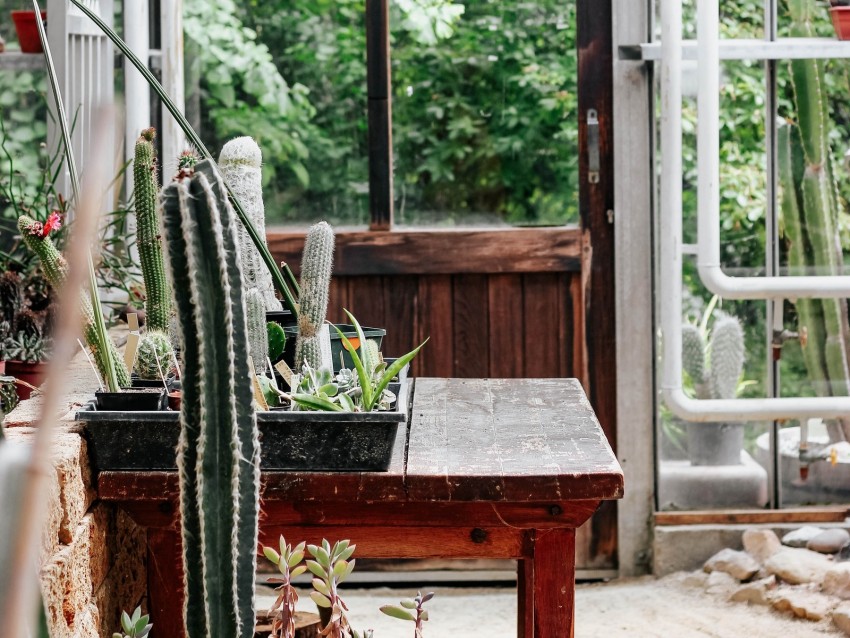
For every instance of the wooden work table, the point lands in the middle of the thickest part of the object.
(488, 468)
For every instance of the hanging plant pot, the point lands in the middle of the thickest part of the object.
(841, 21)
(27, 30)
(132, 400)
(31, 374)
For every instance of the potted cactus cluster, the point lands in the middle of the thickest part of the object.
(341, 412)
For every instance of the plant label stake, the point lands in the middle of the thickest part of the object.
(132, 340)
(285, 371)
(258, 391)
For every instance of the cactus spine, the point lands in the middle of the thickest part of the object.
(240, 163)
(316, 266)
(55, 270)
(810, 213)
(718, 377)
(218, 454)
(145, 187)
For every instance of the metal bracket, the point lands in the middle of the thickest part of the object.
(592, 146)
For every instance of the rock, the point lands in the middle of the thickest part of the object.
(695, 579)
(829, 541)
(720, 583)
(761, 544)
(739, 565)
(803, 603)
(836, 581)
(799, 537)
(797, 566)
(841, 617)
(843, 553)
(756, 592)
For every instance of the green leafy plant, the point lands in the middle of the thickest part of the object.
(290, 564)
(330, 566)
(411, 609)
(135, 626)
(30, 348)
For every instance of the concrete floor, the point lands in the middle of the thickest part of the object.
(644, 608)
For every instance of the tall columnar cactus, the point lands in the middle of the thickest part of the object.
(146, 192)
(55, 270)
(240, 162)
(717, 377)
(810, 215)
(218, 455)
(316, 266)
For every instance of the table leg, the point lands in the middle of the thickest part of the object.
(554, 583)
(165, 582)
(525, 598)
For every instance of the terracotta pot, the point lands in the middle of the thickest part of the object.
(27, 30)
(31, 373)
(841, 22)
(175, 400)
(2, 368)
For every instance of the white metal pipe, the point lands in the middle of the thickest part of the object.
(137, 94)
(708, 187)
(671, 250)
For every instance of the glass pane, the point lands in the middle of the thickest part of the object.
(719, 465)
(815, 241)
(485, 112)
(293, 76)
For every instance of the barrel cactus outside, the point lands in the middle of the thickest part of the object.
(219, 452)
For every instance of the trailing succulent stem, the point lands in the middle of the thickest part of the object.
(55, 269)
(218, 453)
(316, 266)
(146, 192)
(289, 563)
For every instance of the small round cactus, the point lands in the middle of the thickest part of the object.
(155, 356)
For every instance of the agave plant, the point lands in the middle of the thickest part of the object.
(30, 348)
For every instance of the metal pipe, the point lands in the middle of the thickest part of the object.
(679, 403)
(708, 169)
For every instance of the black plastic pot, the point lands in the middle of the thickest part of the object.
(348, 330)
(313, 441)
(131, 400)
(281, 317)
(136, 382)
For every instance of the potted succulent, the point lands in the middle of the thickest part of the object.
(839, 11)
(714, 361)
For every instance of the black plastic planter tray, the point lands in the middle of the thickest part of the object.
(307, 441)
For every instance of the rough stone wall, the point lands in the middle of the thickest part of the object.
(92, 555)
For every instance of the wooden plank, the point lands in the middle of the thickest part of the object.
(441, 252)
(544, 330)
(470, 311)
(165, 582)
(17, 61)
(507, 440)
(554, 583)
(380, 114)
(836, 514)
(506, 326)
(366, 301)
(525, 598)
(575, 300)
(400, 541)
(401, 305)
(435, 319)
(338, 299)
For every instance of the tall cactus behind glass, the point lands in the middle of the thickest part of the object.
(218, 455)
(810, 213)
(316, 266)
(240, 163)
(55, 270)
(715, 369)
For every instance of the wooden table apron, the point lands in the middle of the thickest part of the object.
(487, 469)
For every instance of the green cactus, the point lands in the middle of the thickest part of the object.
(155, 356)
(277, 340)
(55, 269)
(240, 163)
(218, 454)
(146, 191)
(810, 208)
(316, 266)
(715, 369)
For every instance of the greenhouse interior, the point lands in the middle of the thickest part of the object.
(236, 199)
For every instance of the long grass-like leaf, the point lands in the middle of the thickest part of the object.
(100, 324)
(316, 403)
(362, 374)
(395, 368)
(195, 139)
(365, 357)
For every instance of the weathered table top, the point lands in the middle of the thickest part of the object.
(497, 440)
